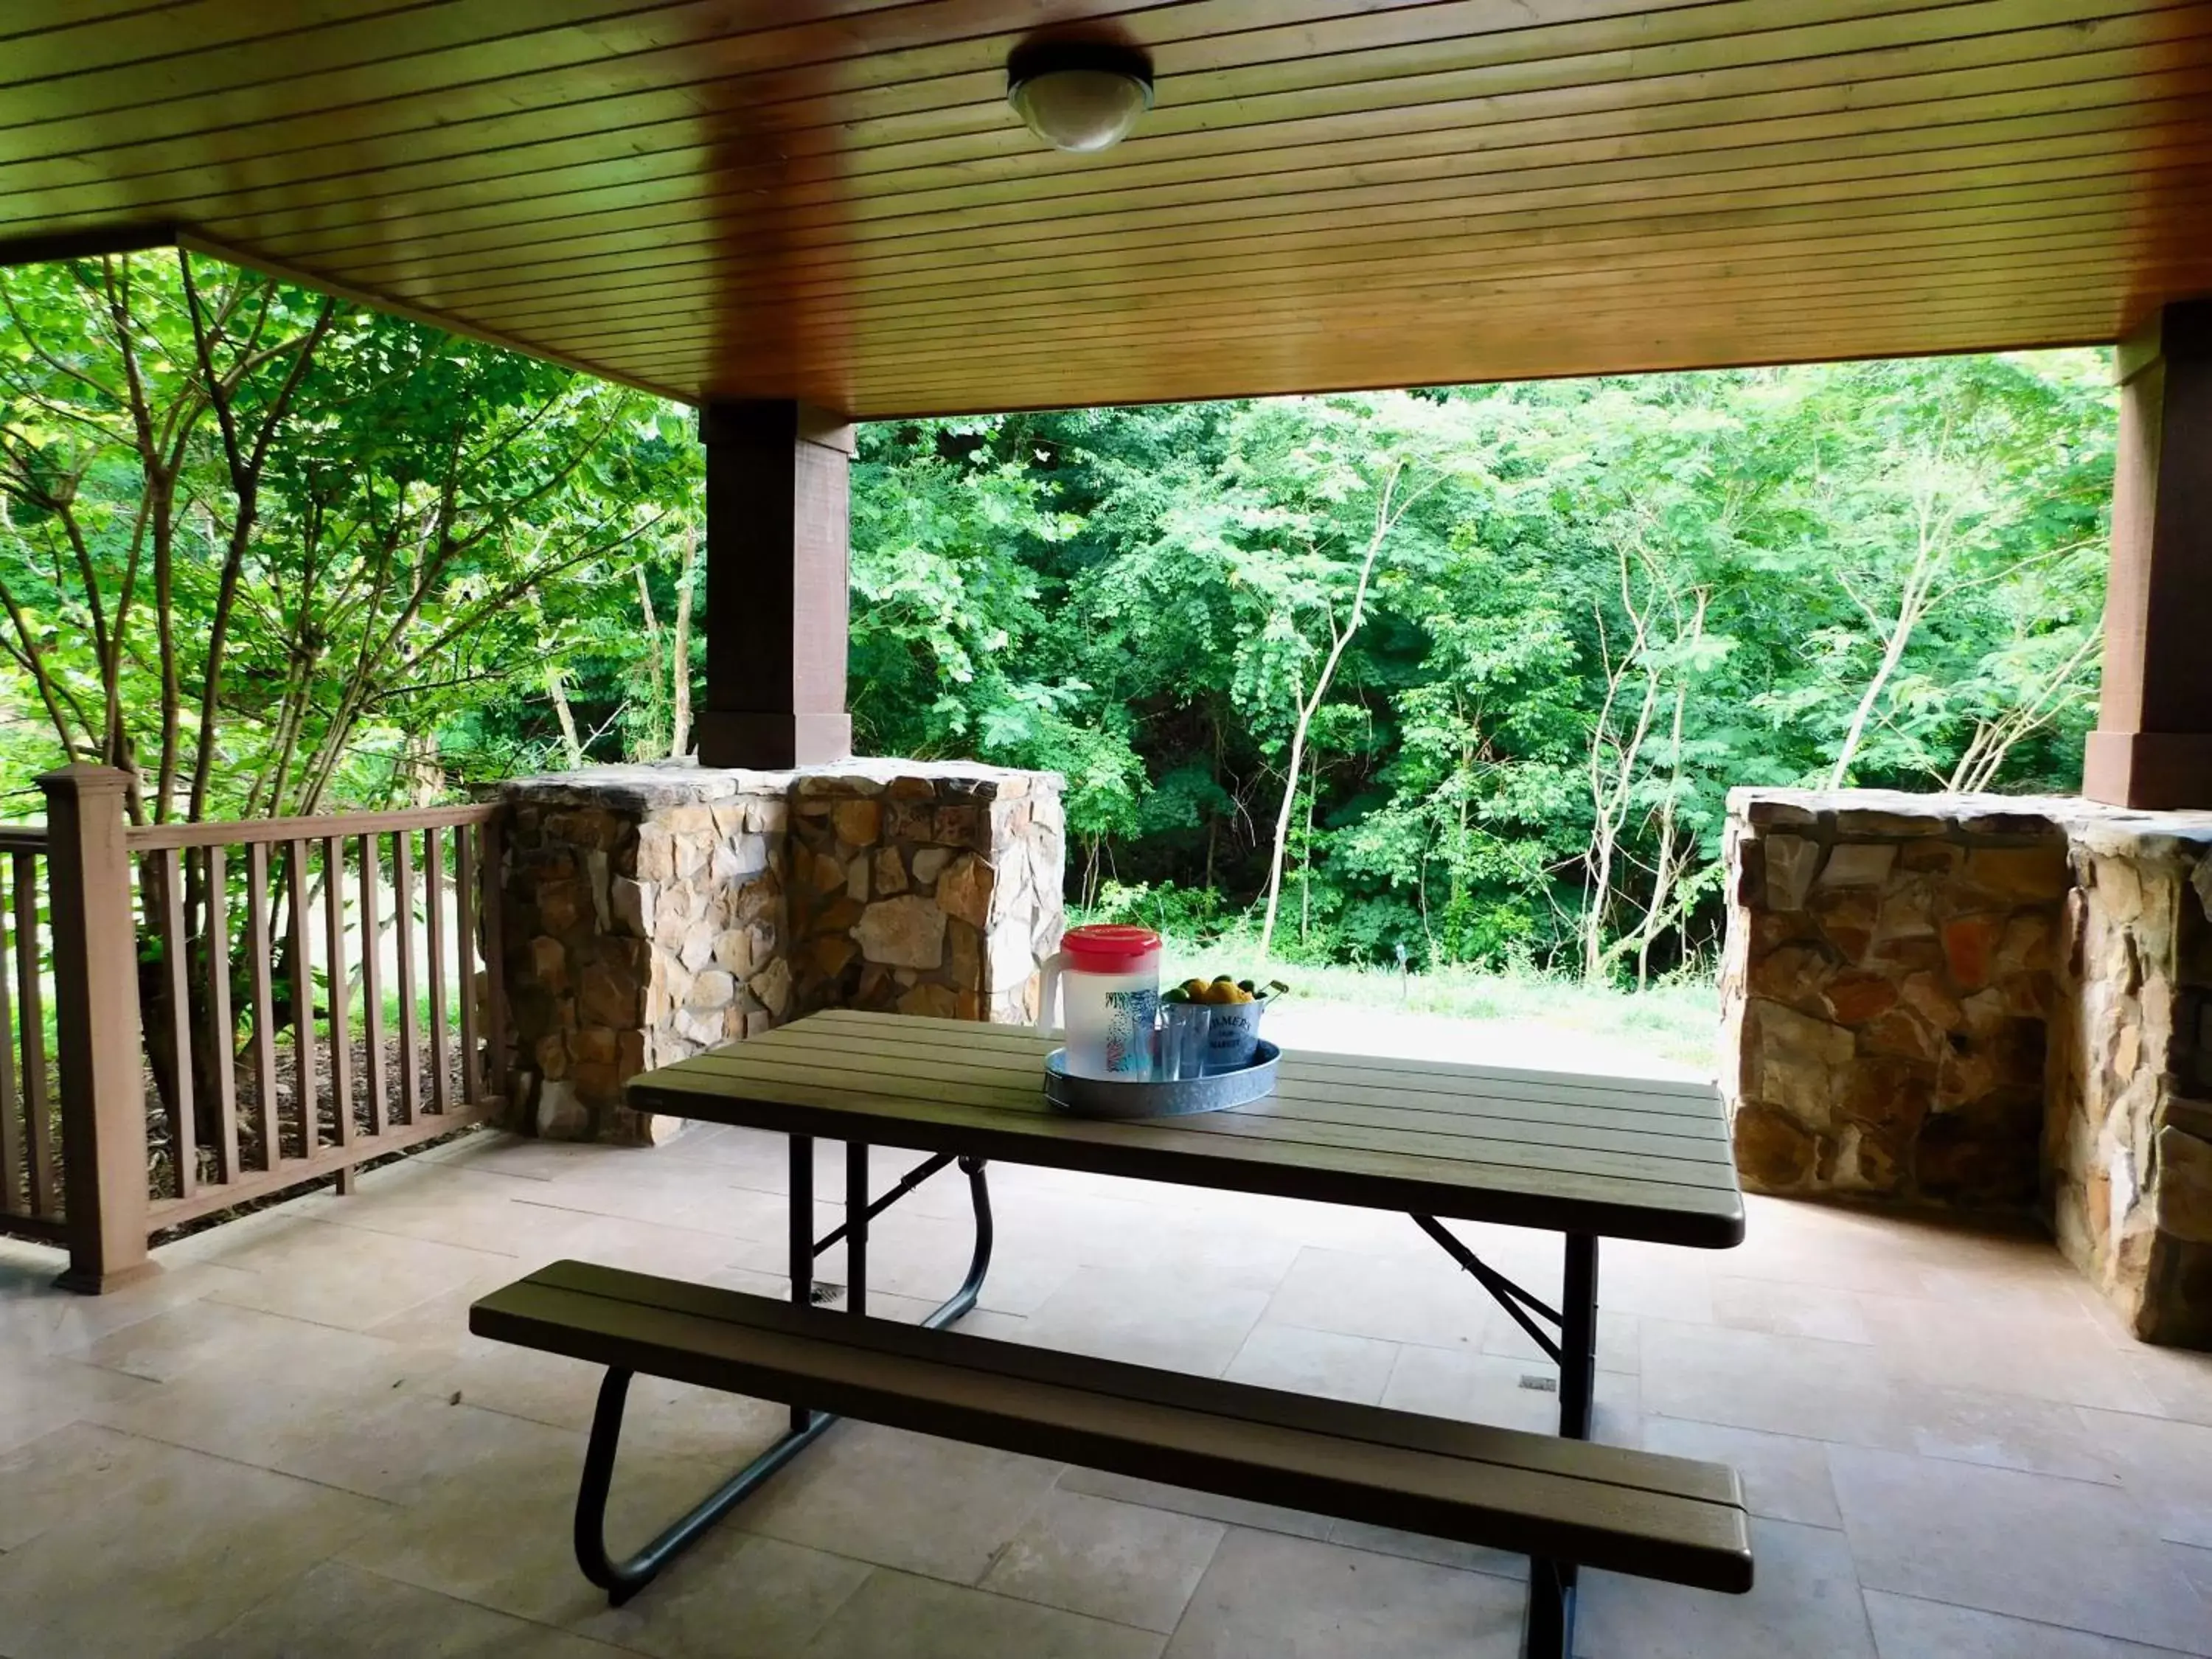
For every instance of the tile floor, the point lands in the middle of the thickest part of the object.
(287, 1443)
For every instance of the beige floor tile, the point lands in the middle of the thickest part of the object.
(192, 1543)
(1389, 1300)
(1182, 1322)
(335, 1609)
(69, 1471)
(1125, 1562)
(731, 1595)
(37, 1396)
(2195, 1565)
(2008, 1431)
(394, 1443)
(1798, 1385)
(1784, 1477)
(1480, 1387)
(895, 1614)
(1806, 1602)
(243, 1344)
(346, 1276)
(2167, 1465)
(2061, 1359)
(1322, 1363)
(1658, 1281)
(1905, 1628)
(1205, 1505)
(1787, 1309)
(638, 1186)
(902, 1500)
(2179, 1381)
(444, 1203)
(496, 1153)
(2034, 1546)
(1293, 1598)
(498, 1533)
(37, 1321)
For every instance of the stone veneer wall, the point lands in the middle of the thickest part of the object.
(1984, 1001)
(652, 911)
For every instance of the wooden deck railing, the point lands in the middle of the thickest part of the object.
(237, 1009)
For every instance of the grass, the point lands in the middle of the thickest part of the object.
(1676, 1018)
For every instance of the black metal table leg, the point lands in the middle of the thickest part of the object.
(623, 1579)
(856, 1227)
(1578, 1336)
(798, 1234)
(1547, 1623)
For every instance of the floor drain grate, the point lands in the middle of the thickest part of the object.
(1541, 1384)
(825, 1293)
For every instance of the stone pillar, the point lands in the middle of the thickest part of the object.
(1983, 1002)
(777, 532)
(2153, 744)
(2129, 1137)
(654, 911)
(1886, 983)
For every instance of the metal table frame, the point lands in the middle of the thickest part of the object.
(1549, 1626)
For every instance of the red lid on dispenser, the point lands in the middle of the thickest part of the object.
(1109, 947)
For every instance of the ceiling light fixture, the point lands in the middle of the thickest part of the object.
(1079, 95)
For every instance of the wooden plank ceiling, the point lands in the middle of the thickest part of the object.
(830, 198)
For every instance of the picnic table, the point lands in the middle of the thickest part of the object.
(1588, 1158)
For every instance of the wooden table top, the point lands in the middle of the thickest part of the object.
(1625, 1157)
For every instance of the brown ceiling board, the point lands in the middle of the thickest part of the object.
(2049, 224)
(699, 64)
(1350, 320)
(1480, 150)
(1453, 179)
(1600, 232)
(1134, 327)
(660, 156)
(1255, 268)
(1748, 108)
(538, 113)
(1623, 194)
(1570, 351)
(829, 198)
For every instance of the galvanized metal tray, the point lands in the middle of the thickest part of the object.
(1089, 1097)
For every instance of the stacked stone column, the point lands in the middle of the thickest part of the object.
(1987, 1002)
(654, 911)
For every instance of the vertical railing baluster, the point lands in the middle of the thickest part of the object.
(464, 957)
(11, 1102)
(258, 968)
(490, 874)
(434, 913)
(305, 1092)
(334, 980)
(402, 921)
(222, 1029)
(176, 972)
(31, 1004)
(372, 987)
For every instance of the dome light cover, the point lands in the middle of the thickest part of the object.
(1078, 95)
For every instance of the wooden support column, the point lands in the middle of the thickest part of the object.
(777, 528)
(2153, 744)
(97, 1040)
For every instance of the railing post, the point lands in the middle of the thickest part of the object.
(103, 1097)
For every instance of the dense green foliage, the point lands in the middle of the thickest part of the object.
(1594, 607)
(1462, 673)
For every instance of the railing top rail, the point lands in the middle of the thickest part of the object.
(23, 838)
(155, 837)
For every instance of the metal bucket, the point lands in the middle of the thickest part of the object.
(1234, 1034)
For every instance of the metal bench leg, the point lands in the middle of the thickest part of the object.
(623, 1579)
(1547, 1626)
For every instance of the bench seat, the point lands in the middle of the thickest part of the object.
(1554, 1499)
